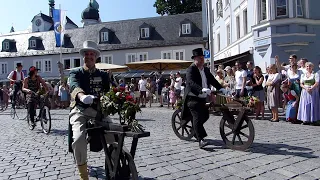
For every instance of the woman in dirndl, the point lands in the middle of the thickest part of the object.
(309, 108)
(294, 76)
(273, 92)
(220, 79)
(291, 99)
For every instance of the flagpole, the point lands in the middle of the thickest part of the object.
(60, 34)
(60, 59)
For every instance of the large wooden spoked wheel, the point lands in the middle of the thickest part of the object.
(182, 128)
(126, 167)
(238, 138)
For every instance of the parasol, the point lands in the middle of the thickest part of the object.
(105, 66)
(159, 65)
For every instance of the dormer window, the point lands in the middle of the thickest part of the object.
(186, 28)
(9, 45)
(145, 33)
(33, 43)
(6, 46)
(104, 36)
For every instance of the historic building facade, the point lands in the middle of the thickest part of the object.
(261, 29)
(120, 42)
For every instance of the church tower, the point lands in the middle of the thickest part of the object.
(91, 14)
(51, 7)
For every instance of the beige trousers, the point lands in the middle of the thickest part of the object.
(78, 122)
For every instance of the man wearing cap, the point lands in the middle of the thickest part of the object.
(198, 81)
(16, 78)
(86, 83)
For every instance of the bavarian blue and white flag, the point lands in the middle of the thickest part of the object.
(59, 20)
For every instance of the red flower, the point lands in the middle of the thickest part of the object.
(135, 101)
(120, 95)
(115, 89)
(122, 89)
(129, 98)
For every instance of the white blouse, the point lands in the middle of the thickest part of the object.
(290, 74)
(273, 77)
(312, 76)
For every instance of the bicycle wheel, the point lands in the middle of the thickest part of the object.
(126, 167)
(12, 113)
(21, 112)
(45, 119)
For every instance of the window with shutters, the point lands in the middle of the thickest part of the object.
(108, 59)
(47, 65)
(166, 54)
(4, 68)
(179, 54)
(142, 56)
(131, 57)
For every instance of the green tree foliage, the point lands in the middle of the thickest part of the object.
(171, 7)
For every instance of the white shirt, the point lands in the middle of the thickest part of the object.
(304, 70)
(177, 85)
(204, 82)
(290, 74)
(18, 77)
(274, 77)
(142, 85)
(239, 78)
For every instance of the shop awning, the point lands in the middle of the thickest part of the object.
(230, 61)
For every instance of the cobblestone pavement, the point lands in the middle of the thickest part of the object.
(280, 151)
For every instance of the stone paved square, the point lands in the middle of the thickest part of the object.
(280, 151)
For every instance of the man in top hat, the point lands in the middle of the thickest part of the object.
(16, 78)
(198, 81)
(86, 83)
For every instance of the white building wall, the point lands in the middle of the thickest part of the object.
(119, 58)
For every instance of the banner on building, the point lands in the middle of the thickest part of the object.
(59, 20)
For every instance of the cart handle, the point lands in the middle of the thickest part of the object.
(219, 93)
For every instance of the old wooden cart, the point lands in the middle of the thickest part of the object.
(236, 129)
(119, 160)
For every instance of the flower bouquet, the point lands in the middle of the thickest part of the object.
(251, 101)
(118, 101)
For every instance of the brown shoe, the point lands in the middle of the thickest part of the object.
(83, 172)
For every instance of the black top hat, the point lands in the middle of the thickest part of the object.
(197, 52)
(19, 65)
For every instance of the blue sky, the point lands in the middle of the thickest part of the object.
(19, 13)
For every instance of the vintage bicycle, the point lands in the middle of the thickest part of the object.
(20, 107)
(236, 128)
(43, 116)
